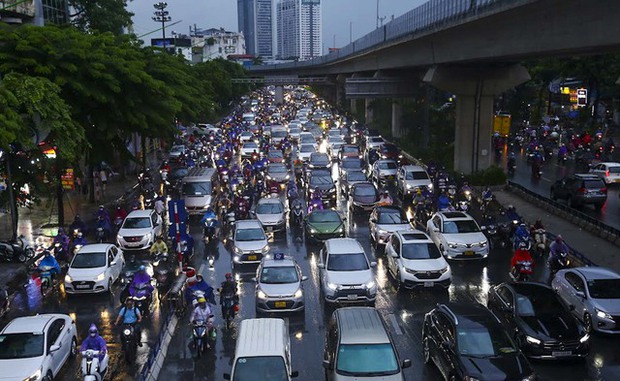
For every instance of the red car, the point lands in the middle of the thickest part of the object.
(275, 156)
(390, 151)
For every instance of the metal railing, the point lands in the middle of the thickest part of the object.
(150, 361)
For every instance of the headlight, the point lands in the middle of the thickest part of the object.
(603, 314)
(68, 279)
(370, 284)
(531, 377)
(444, 270)
(482, 243)
(340, 229)
(237, 258)
(261, 294)
(35, 376)
(237, 250)
(332, 286)
(532, 340)
(287, 177)
(585, 338)
(452, 245)
(409, 186)
(381, 231)
(148, 236)
(313, 231)
(299, 293)
(100, 277)
(265, 249)
(269, 177)
(127, 331)
(469, 378)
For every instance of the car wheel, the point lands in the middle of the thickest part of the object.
(398, 281)
(587, 322)
(426, 350)
(110, 282)
(73, 348)
(48, 376)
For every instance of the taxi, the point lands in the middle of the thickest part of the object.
(279, 285)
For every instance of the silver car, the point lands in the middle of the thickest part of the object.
(383, 171)
(271, 214)
(593, 296)
(279, 285)
(278, 172)
(249, 243)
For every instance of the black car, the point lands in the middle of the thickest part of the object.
(544, 328)
(318, 179)
(319, 160)
(350, 178)
(580, 189)
(467, 341)
(350, 164)
(363, 196)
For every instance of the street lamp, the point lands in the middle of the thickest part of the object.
(161, 15)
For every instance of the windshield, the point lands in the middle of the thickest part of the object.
(274, 153)
(538, 304)
(390, 218)
(464, 226)
(376, 140)
(197, 189)
(294, 131)
(264, 368)
(483, 342)
(347, 262)
(307, 148)
(604, 288)
(254, 234)
(279, 275)
(387, 165)
(319, 159)
(419, 175)
(614, 170)
(279, 134)
(351, 163)
(320, 180)
(307, 138)
(181, 172)
(89, 260)
(593, 184)
(420, 251)
(21, 345)
(327, 216)
(277, 169)
(390, 149)
(350, 149)
(366, 360)
(356, 176)
(365, 190)
(269, 208)
(137, 223)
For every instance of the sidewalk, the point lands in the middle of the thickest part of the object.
(598, 250)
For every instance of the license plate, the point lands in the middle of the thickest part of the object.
(469, 252)
(280, 304)
(82, 286)
(133, 243)
(251, 257)
(352, 297)
(429, 284)
(561, 353)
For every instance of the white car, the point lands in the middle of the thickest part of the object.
(383, 171)
(307, 138)
(94, 269)
(412, 177)
(305, 150)
(374, 142)
(34, 348)
(176, 150)
(385, 220)
(334, 143)
(248, 148)
(139, 230)
(458, 236)
(246, 136)
(294, 132)
(279, 285)
(271, 214)
(413, 260)
(249, 243)
(609, 172)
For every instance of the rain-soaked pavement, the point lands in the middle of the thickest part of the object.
(403, 311)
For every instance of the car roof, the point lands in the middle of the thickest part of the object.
(468, 314)
(261, 337)
(140, 213)
(529, 288)
(269, 261)
(245, 224)
(385, 161)
(413, 168)
(360, 325)
(611, 164)
(95, 248)
(586, 176)
(409, 236)
(343, 246)
(36, 323)
(594, 272)
(269, 200)
(455, 216)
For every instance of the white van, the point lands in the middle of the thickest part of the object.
(198, 189)
(249, 117)
(263, 352)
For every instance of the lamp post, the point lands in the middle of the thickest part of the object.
(162, 16)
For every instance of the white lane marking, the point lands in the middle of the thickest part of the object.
(395, 324)
(546, 179)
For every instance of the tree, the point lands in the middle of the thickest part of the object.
(101, 15)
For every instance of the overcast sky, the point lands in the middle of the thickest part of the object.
(337, 16)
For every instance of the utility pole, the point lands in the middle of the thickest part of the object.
(350, 32)
(162, 16)
(377, 14)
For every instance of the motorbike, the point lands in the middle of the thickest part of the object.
(522, 271)
(536, 170)
(45, 279)
(162, 269)
(462, 205)
(203, 333)
(229, 308)
(540, 241)
(16, 251)
(558, 262)
(5, 303)
(298, 215)
(143, 298)
(129, 342)
(118, 221)
(315, 204)
(229, 222)
(242, 212)
(90, 366)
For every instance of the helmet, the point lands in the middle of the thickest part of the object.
(142, 268)
(202, 300)
(522, 245)
(101, 207)
(77, 217)
(129, 299)
(228, 276)
(418, 191)
(92, 331)
(61, 230)
(522, 224)
(559, 238)
(385, 192)
(79, 234)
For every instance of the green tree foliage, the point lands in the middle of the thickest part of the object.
(101, 15)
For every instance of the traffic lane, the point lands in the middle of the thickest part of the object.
(552, 171)
(101, 310)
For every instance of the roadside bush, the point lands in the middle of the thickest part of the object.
(493, 175)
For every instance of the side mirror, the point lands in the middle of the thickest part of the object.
(253, 279)
(406, 363)
(227, 376)
(294, 374)
(373, 264)
(436, 229)
(54, 348)
(394, 255)
(304, 278)
(320, 265)
(483, 227)
(113, 263)
(580, 294)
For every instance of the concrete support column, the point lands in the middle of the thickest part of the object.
(279, 95)
(368, 111)
(397, 116)
(353, 106)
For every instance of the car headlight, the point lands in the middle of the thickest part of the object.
(237, 250)
(237, 258)
(585, 338)
(35, 376)
(299, 293)
(430, 186)
(68, 278)
(148, 236)
(332, 286)
(409, 186)
(482, 243)
(531, 377)
(452, 245)
(313, 231)
(444, 270)
(370, 284)
(261, 295)
(602, 314)
(100, 277)
(269, 177)
(381, 231)
(287, 177)
(265, 249)
(280, 222)
(532, 340)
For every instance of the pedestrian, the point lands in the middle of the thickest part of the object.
(104, 179)
(78, 184)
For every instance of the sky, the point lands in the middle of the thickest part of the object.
(340, 17)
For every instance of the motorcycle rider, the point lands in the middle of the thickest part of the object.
(201, 312)
(160, 206)
(443, 202)
(120, 214)
(291, 190)
(557, 247)
(385, 199)
(95, 342)
(130, 315)
(511, 213)
(522, 235)
(78, 224)
(103, 213)
(80, 240)
(199, 285)
(512, 162)
(242, 206)
(49, 261)
(140, 277)
(228, 287)
(159, 246)
(521, 255)
(62, 238)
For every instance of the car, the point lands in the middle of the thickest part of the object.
(319, 160)
(272, 214)
(349, 150)
(278, 172)
(248, 148)
(294, 132)
(94, 268)
(363, 196)
(321, 225)
(467, 342)
(457, 235)
(37, 347)
(246, 136)
(390, 151)
(176, 150)
(249, 243)
(413, 260)
(334, 144)
(409, 178)
(580, 189)
(323, 181)
(383, 171)
(593, 296)
(374, 142)
(544, 327)
(607, 171)
(305, 150)
(279, 285)
(316, 131)
(334, 133)
(346, 274)
(307, 138)
(139, 230)
(278, 134)
(275, 156)
(350, 178)
(385, 220)
(349, 164)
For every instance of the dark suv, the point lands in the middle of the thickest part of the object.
(466, 341)
(580, 189)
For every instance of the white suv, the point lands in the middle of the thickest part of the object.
(458, 236)
(412, 177)
(414, 261)
(249, 243)
(346, 273)
(139, 230)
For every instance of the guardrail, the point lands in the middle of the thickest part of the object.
(145, 373)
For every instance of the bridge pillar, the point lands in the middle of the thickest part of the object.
(353, 106)
(397, 116)
(279, 95)
(368, 111)
(475, 89)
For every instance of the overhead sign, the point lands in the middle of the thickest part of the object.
(582, 97)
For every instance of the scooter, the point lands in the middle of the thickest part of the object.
(129, 342)
(522, 271)
(203, 332)
(540, 241)
(298, 215)
(16, 251)
(558, 262)
(45, 279)
(91, 369)
(229, 307)
(143, 298)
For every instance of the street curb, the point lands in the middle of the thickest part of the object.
(160, 358)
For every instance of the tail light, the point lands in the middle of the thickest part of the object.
(607, 173)
(604, 190)
(582, 190)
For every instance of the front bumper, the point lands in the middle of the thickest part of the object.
(80, 286)
(318, 236)
(277, 304)
(351, 296)
(556, 350)
(247, 258)
(143, 244)
(604, 325)
(463, 253)
(425, 279)
(274, 228)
